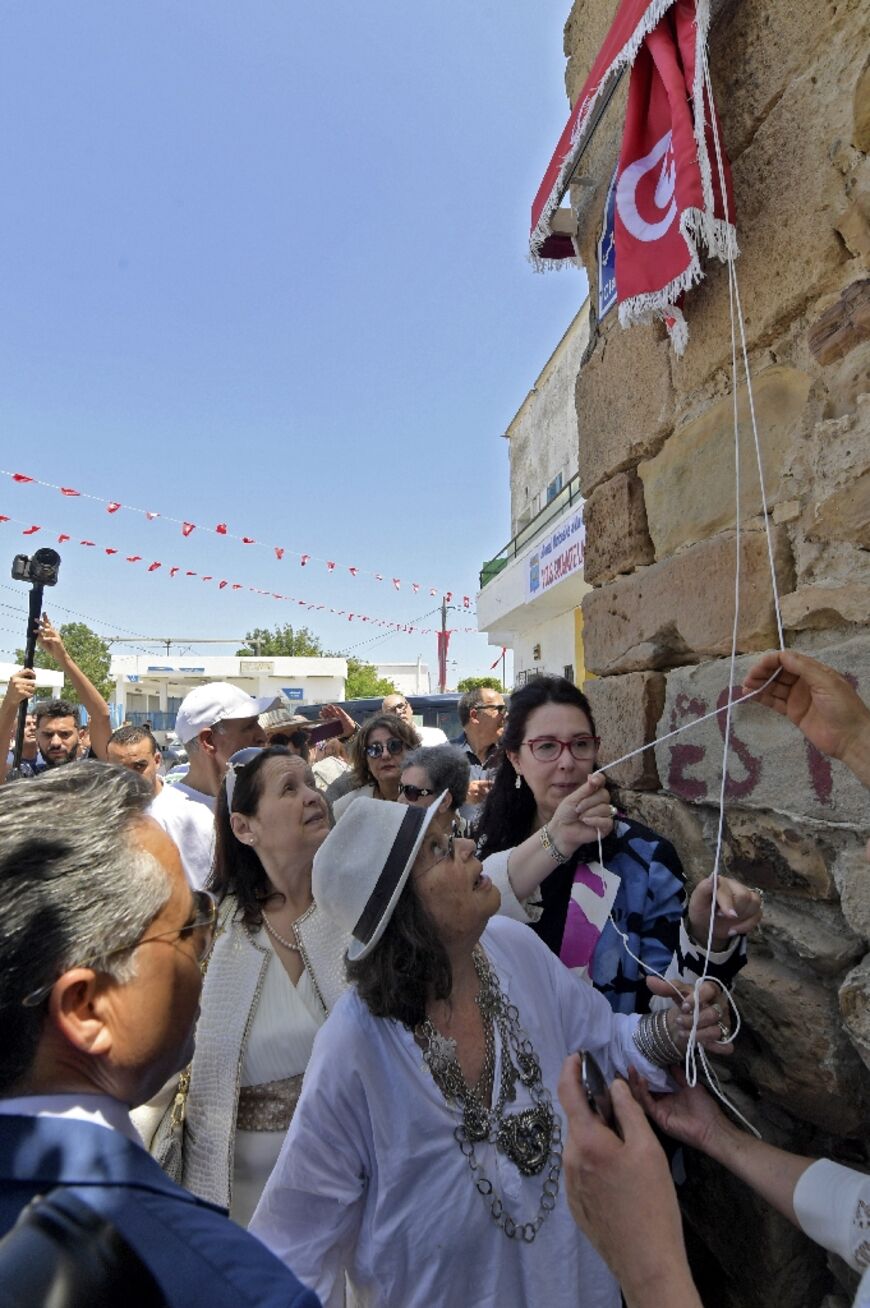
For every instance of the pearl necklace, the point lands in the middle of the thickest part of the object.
(288, 944)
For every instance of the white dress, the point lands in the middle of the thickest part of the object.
(280, 1040)
(371, 1180)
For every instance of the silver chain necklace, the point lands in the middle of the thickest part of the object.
(532, 1138)
(288, 944)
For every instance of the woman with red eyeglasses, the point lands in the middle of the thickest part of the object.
(540, 827)
(377, 755)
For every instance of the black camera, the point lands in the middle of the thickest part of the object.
(42, 569)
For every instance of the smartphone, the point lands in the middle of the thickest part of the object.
(592, 1079)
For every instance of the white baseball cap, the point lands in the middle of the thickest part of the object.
(362, 866)
(216, 702)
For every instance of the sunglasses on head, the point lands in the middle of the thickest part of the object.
(238, 763)
(413, 792)
(391, 747)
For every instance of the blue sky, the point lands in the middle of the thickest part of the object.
(266, 264)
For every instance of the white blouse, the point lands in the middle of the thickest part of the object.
(286, 1020)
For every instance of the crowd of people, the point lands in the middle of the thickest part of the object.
(345, 1069)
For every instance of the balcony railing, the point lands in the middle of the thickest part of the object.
(568, 495)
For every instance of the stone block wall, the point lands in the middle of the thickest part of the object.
(792, 80)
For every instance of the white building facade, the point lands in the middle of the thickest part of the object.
(531, 590)
(151, 687)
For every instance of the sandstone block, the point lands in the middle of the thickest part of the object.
(771, 766)
(764, 850)
(855, 1008)
(789, 193)
(684, 827)
(853, 883)
(689, 485)
(861, 111)
(626, 711)
(843, 325)
(813, 934)
(843, 515)
(754, 56)
(814, 607)
(617, 539)
(615, 429)
(795, 1051)
(680, 609)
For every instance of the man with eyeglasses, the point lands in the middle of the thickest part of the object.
(100, 980)
(481, 714)
(399, 705)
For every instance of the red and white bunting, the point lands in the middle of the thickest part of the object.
(220, 529)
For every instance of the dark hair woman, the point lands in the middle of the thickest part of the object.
(377, 753)
(540, 827)
(424, 1159)
(276, 968)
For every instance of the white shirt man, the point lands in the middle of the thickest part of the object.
(190, 824)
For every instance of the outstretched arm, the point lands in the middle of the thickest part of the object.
(21, 686)
(820, 703)
(693, 1117)
(90, 698)
(622, 1197)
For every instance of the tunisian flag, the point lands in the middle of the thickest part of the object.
(669, 200)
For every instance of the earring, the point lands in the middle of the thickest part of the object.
(518, 783)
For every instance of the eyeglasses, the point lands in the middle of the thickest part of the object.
(200, 929)
(238, 762)
(447, 852)
(391, 747)
(547, 749)
(501, 709)
(414, 792)
(398, 708)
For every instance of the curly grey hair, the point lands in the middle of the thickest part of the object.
(73, 889)
(447, 768)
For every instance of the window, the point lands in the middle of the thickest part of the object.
(554, 487)
(568, 672)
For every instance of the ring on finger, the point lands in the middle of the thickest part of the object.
(724, 1033)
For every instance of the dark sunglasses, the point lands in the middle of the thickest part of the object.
(298, 739)
(414, 792)
(391, 747)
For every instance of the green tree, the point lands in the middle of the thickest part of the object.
(363, 681)
(87, 650)
(286, 642)
(478, 683)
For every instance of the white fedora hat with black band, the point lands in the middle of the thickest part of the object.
(361, 868)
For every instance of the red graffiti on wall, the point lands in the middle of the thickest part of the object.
(684, 755)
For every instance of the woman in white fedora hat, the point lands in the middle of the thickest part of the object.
(424, 1157)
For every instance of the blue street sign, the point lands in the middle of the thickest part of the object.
(292, 692)
(607, 255)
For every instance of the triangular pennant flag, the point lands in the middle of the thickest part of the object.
(174, 571)
(248, 540)
(87, 542)
(222, 585)
(353, 571)
(330, 567)
(109, 550)
(113, 506)
(134, 558)
(279, 553)
(151, 516)
(152, 567)
(62, 537)
(30, 531)
(68, 490)
(187, 528)
(221, 529)
(304, 559)
(397, 583)
(21, 477)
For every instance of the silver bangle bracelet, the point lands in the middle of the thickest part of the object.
(555, 854)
